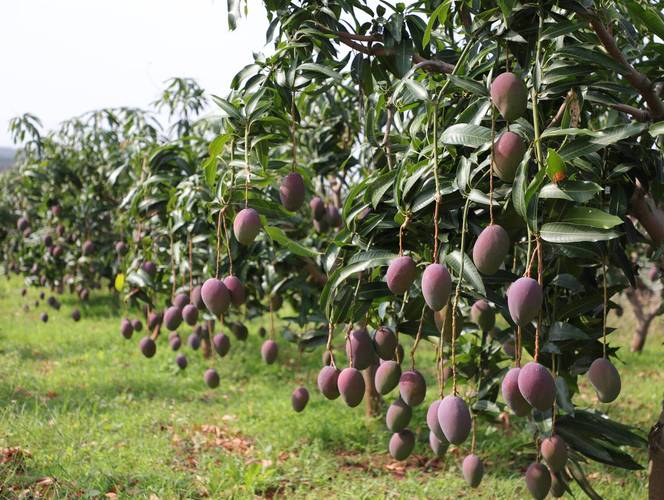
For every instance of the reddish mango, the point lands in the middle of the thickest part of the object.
(436, 286)
(605, 378)
(292, 191)
(490, 249)
(512, 394)
(246, 226)
(509, 95)
(400, 274)
(537, 386)
(473, 470)
(524, 300)
(538, 480)
(508, 151)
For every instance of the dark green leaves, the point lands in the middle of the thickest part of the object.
(560, 331)
(470, 273)
(464, 134)
(592, 217)
(555, 232)
(210, 165)
(578, 191)
(278, 235)
(313, 69)
(440, 15)
(358, 263)
(599, 438)
(555, 166)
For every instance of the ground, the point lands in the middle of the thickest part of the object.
(82, 412)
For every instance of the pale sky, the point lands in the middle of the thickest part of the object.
(61, 58)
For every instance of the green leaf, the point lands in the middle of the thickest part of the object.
(565, 280)
(320, 69)
(580, 147)
(592, 217)
(519, 187)
(416, 89)
(465, 134)
(560, 28)
(556, 232)
(227, 107)
(359, 262)
(555, 166)
(612, 135)
(468, 85)
(395, 25)
(403, 56)
(506, 7)
(565, 132)
(532, 198)
(441, 14)
(479, 197)
(593, 56)
(604, 137)
(579, 476)
(646, 17)
(578, 191)
(233, 13)
(470, 273)
(563, 396)
(210, 165)
(586, 302)
(560, 331)
(656, 129)
(277, 234)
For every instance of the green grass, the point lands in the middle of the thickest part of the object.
(92, 416)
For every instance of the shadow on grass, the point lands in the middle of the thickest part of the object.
(86, 395)
(99, 305)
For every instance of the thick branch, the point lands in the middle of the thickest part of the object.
(640, 115)
(351, 40)
(433, 65)
(648, 214)
(636, 79)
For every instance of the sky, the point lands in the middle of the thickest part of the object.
(62, 58)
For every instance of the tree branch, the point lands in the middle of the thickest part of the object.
(351, 40)
(640, 115)
(636, 79)
(651, 217)
(433, 64)
(561, 110)
(354, 36)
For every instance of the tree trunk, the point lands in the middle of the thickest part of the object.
(640, 334)
(372, 398)
(645, 306)
(208, 332)
(656, 464)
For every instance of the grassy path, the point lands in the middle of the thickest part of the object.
(89, 415)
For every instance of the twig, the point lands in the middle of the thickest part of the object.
(561, 110)
(605, 302)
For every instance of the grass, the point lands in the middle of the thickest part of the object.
(86, 414)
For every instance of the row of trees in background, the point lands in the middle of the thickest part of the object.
(413, 170)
